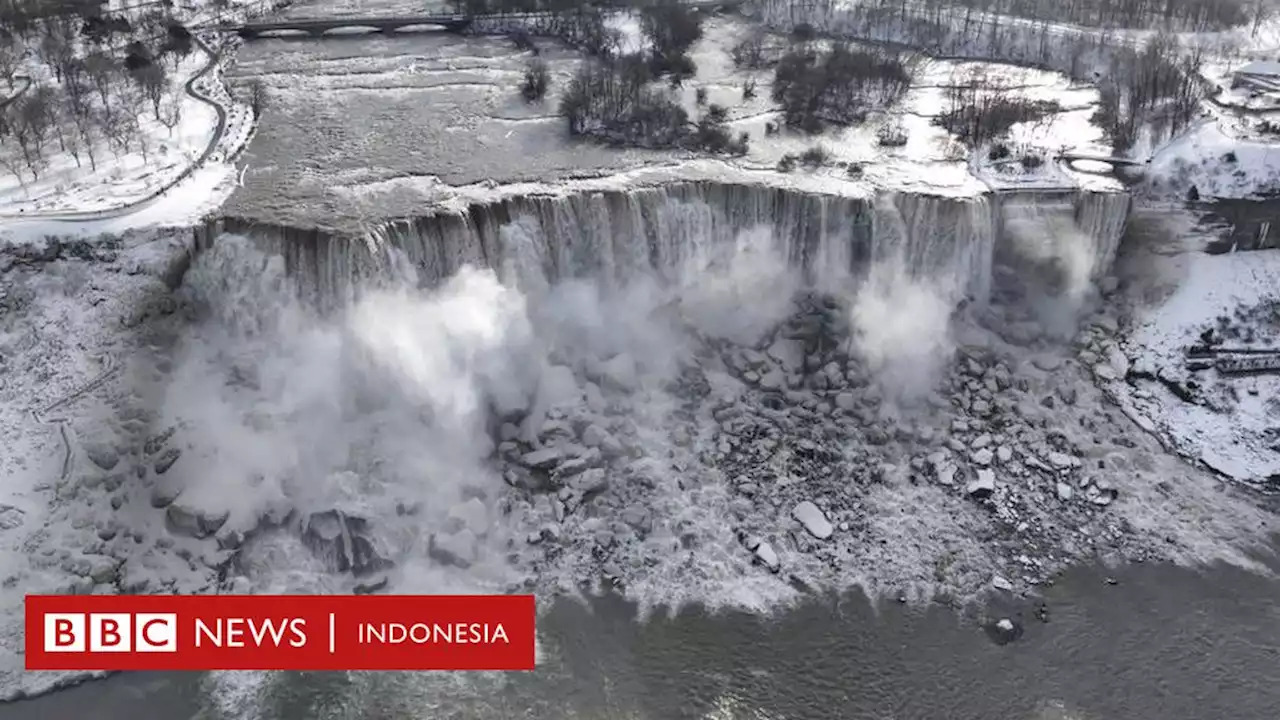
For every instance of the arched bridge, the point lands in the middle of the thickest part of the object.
(317, 27)
(1113, 161)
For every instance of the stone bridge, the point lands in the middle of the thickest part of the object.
(1115, 162)
(317, 27)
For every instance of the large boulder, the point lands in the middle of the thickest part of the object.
(344, 542)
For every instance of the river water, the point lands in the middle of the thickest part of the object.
(1161, 643)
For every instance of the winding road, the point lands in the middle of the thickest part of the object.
(218, 133)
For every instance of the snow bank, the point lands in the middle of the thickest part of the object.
(1232, 436)
(1218, 164)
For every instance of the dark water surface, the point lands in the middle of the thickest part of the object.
(1163, 643)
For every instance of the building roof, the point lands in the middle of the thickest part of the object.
(1260, 67)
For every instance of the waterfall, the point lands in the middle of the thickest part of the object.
(617, 235)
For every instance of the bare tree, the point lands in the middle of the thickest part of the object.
(170, 113)
(152, 79)
(9, 57)
(85, 140)
(29, 128)
(102, 69)
(257, 98)
(58, 44)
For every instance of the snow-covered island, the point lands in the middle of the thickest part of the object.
(701, 304)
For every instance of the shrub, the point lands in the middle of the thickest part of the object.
(700, 96)
(981, 113)
(836, 86)
(749, 90)
(749, 52)
(803, 32)
(891, 135)
(536, 81)
(614, 103)
(998, 151)
(1031, 161)
(815, 156)
(523, 41)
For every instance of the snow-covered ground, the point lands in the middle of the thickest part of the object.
(115, 181)
(66, 185)
(1216, 163)
(931, 160)
(1234, 424)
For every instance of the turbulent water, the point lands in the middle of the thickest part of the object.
(613, 236)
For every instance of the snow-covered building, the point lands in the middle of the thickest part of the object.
(1260, 75)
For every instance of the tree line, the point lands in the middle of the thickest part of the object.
(1153, 84)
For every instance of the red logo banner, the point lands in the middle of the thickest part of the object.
(280, 632)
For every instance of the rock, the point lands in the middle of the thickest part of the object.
(982, 457)
(1119, 361)
(788, 353)
(1104, 372)
(1062, 461)
(166, 460)
(339, 539)
(1047, 363)
(544, 459)
(368, 588)
(186, 519)
(773, 380)
(1065, 491)
(576, 465)
(1102, 494)
(1005, 631)
(946, 474)
(103, 569)
(813, 520)
(619, 372)
(1004, 454)
(612, 447)
(104, 456)
(163, 494)
(594, 436)
(983, 485)
(846, 401)
(590, 482)
(981, 441)
(457, 549)
(470, 515)
(999, 583)
(765, 554)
